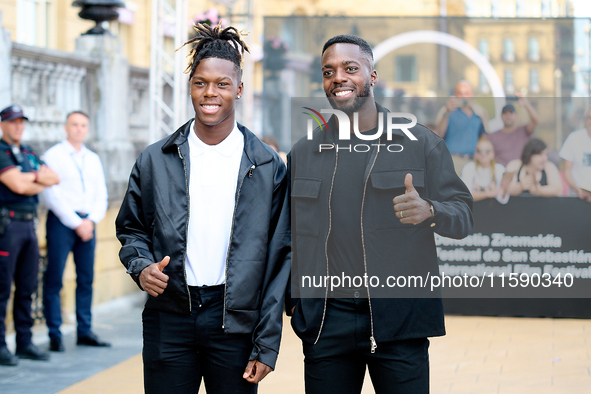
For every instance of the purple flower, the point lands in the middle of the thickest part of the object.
(212, 15)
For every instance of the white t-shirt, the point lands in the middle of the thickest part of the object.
(577, 148)
(213, 180)
(480, 178)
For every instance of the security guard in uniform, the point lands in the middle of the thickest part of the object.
(22, 176)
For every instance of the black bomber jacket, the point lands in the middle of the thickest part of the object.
(153, 223)
(389, 247)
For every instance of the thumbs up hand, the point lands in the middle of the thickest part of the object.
(153, 280)
(410, 208)
(163, 263)
(408, 184)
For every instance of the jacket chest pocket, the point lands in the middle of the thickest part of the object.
(385, 186)
(305, 193)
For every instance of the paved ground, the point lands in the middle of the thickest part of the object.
(118, 322)
(478, 355)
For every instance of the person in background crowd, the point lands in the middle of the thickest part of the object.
(461, 123)
(510, 140)
(273, 143)
(534, 174)
(576, 153)
(75, 206)
(23, 175)
(484, 176)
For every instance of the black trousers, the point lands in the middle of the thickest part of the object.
(19, 261)
(181, 350)
(337, 362)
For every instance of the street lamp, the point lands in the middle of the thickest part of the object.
(99, 11)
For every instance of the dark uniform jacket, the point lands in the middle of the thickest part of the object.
(26, 160)
(153, 223)
(389, 247)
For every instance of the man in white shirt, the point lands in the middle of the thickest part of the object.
(75, 206)
(204, 230)
(576, 153)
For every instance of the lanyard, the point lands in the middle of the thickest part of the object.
(80, 170)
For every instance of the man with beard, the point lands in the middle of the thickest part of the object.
(368, 214)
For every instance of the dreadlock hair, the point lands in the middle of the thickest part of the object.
(350, 39)
(216, 42)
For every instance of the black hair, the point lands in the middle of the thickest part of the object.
(534, 146)
(216, 42)
(349, 39)
(77, 112)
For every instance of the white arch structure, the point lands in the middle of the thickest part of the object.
(453, 42)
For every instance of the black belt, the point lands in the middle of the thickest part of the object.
(82, 215)
(206, 289)
(22, 216)
(338, 292)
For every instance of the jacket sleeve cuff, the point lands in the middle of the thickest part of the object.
(290, 303)
(433, 221)
(264, 355)
(136, 267)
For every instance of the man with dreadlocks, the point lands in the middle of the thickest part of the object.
(204, 228)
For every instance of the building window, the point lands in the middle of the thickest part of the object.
(508, 50)
(483, 48)
(494, 8)
(483, 84)
(534, 82)
(546, 8)
(519, 9)
(534, 49)
(31, 22)
(406, 68)
(509, 87)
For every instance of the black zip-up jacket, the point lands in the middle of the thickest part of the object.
(389, 247)
(153, 223)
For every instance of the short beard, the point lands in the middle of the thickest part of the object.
(355, 105)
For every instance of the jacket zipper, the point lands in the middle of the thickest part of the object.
(374, 345)
(187, 225)
(326, 241)
(249, 173)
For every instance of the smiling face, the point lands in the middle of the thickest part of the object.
(215, 86)
(347, 77)
(484, 153)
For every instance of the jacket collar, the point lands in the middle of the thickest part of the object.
(253, 147)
